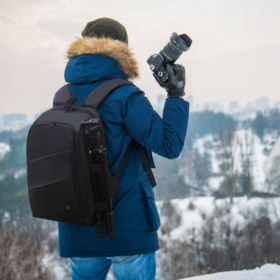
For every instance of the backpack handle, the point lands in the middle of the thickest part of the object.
(63, 96)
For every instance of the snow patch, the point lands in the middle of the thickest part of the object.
(265, 272)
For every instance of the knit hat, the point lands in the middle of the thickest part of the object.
(105, 27)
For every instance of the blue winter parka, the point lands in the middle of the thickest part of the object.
(126, 114)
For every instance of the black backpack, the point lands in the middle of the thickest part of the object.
(67, 169)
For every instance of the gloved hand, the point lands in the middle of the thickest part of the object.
(175, 84)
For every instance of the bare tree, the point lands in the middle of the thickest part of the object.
(226, 155)
(221, 244)
(197, 171)
(246, 153)
(23, 254)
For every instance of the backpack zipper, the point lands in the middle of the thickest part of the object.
(74, 108)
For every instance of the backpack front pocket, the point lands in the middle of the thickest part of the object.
(51, 173)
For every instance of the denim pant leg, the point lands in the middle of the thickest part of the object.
(136, 267)
(90, 268)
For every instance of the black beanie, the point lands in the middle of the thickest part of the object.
(105, 27)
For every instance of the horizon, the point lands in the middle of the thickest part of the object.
(234, 109)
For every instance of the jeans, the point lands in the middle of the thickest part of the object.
(136, 267)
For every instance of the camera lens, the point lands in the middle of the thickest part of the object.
(175, 47)
(181, 42)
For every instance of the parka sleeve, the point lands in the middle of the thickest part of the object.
(165, 136)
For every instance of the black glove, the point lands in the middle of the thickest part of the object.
(175, 84)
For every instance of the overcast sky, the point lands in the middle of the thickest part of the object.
(235, 53)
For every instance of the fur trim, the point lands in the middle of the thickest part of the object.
(106, 46)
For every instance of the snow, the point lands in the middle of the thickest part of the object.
(215, 182)
(272, 165)
(259, 159)
(201, 142)
(50, 262)
(4, 148)
(246, 145)
(269, 141)
(207, 144)
(19, 173)
(254, 150)
(6, 217)
(193, 218)
(265, 272)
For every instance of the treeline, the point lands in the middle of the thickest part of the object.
(207, 122)
(269, 122)
(15, 159)
(169, 176)
(6, 135)
(197, 167)
(14, 197)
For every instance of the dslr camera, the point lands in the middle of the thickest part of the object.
(169, 54)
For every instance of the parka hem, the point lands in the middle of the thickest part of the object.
(109, 254)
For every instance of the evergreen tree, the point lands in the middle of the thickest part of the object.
(259, 125)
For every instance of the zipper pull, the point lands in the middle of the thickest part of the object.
(68, 108)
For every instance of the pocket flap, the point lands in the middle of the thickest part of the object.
(152, 211)
(146, 184)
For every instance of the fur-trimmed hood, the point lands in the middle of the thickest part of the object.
(106, 46)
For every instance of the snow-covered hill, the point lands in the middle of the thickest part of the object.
(245, 148)
(266, 272)
(195, 210)
(271, 168)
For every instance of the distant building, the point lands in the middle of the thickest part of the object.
(216, 107)
(213, 106)
(13, 121)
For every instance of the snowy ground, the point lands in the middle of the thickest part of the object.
(266, 272)
(57, 269)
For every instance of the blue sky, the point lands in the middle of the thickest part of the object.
(235, 53)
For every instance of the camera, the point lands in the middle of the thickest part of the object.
(169, 54)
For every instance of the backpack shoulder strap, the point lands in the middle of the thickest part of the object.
(144, 158)
(114, 186)
(63, 96)
(99, 94)
(146, 164)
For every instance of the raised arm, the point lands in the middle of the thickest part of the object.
(164, 136)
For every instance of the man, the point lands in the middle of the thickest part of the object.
(101, 54)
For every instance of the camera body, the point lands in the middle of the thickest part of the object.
(169, 54)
